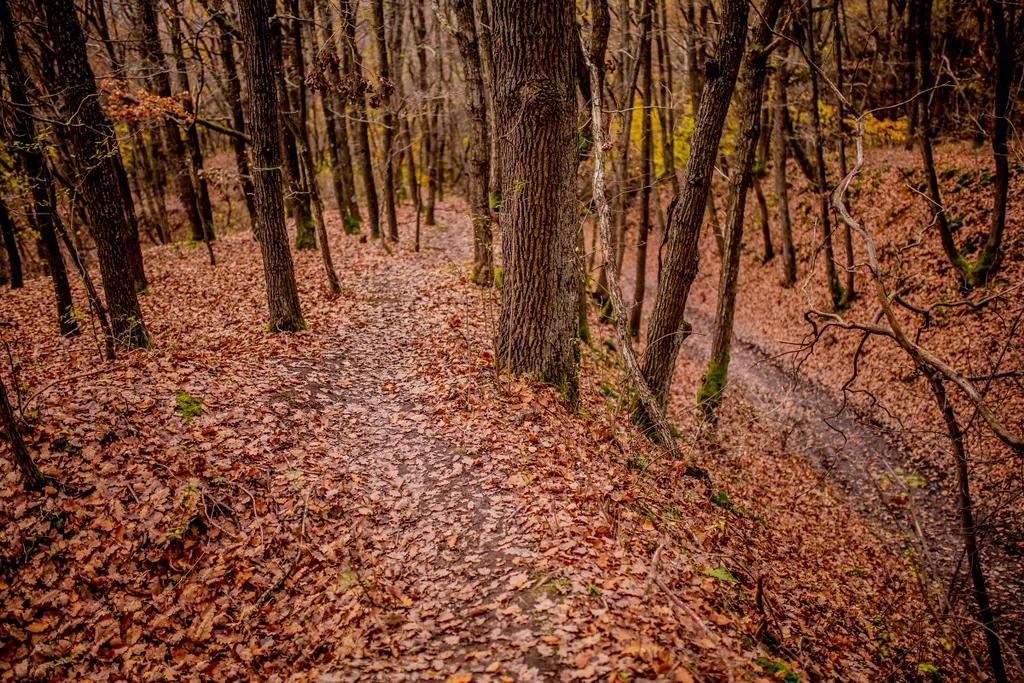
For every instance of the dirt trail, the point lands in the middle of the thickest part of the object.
(439, 526)
(875, 473)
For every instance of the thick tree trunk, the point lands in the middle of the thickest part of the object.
(361, 145)
(93, 145)
(755, 71)
(383, 69)
(646, 161)
(779, 167)
(479, 145)
(159, 83)
(535, 105)
(667, 329)
(279, 272)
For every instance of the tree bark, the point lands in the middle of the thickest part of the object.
(33, 478)
(837, 48)
(646, 161)
(968, 527)
(479, 144)
(667, 329)
(483, 22)
(755, 71)
(233, 95)
(278, 270)
(760, 165)
(779, 166)
(11, 245)
(293, 104)
(159, 83)
(535, 106)
(821, 184)
(383, 69)
(336, 112)
(195, 151)
(94, 147)
(357, 97)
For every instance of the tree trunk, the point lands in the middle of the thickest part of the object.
(293, 104)
(1004, 17)
(821, 184)
(377, 11)
(755, 71)
(968, 528)
(33, 478)
(93, 145)
(279, 273)
(837, 48)
(234, 98)
(760, 165)
(646, 161)
(309, 171)
(428, 119)
(483, 22)
(336, 112)
(667, 329)
(668, 110)
(479, 145)
(535, 105)
(11, 244)
(354, 63)
(195, 152)
(159, 83)
(779, 166)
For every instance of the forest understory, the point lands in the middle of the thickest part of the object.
(369, 500)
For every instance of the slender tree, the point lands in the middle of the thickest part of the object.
(667, 329)
(820, 181)
(779, 157)
(40, 180)
(388, 124)
(464, 28)
(278, 270)
(755, 71)
(7, 227)
(646, 161)
(352, 66)
(226, 34)
(535, 105)
(159, 83)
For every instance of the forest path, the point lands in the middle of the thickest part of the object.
(436, 526)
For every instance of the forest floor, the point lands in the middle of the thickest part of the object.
(368, 500)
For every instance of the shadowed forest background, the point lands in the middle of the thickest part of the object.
(512, 340)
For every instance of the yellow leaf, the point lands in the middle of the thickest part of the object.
(459, 678)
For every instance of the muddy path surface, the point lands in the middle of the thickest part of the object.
(872, 468)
